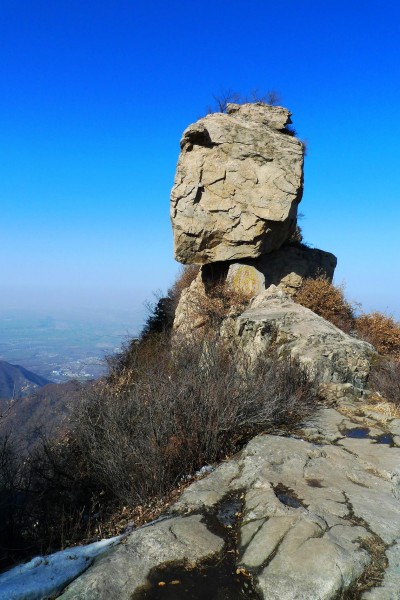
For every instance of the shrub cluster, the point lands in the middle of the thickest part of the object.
(381, 331)
(184, 406)
(221, 101)
(161, 315)
(328, 301)
(164, 410)
(217, 301)
(385, 379)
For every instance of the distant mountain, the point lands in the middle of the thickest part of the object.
(16, 382)
(44, 412)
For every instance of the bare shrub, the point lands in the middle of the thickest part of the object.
(225, 97)
(216, 301)
(384, 378)
(296, 238)
(10, 507)
(186, 406)
(380, 330)
(327, 301)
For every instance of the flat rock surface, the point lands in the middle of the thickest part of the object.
(125, 570)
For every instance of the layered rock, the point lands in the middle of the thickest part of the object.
(274, 320)
(238, 182)
(286, 268)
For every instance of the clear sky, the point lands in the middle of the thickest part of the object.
(94, 96)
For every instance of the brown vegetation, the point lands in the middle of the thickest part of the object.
(183, 406)
(381, 331)
(328, 301)
(163, 412)
(214, 302)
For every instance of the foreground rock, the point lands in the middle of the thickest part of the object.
(319, 517)
(238, 182)
(274, 321)
(124, 571)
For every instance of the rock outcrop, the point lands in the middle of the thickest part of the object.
(234, 203)
(314, 515)
(286, 268)
(238, 182)
(273, 320)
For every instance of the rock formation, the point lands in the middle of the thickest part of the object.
(234, 203)
(238, 182)
(311, 514)
(286, 268)
(273, 319)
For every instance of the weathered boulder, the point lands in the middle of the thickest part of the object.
(286, 268)
(274, 320)
(238, 182)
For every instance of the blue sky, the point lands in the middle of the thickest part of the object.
(94, 96)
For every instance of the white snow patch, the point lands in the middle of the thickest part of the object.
(45, 576)
(206, 470)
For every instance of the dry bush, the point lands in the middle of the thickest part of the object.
(186, 406)
(381, 331)
(187, 275)
(216, 301)
(328, 301)
(162, 313)
(225, 97)
(384, 378)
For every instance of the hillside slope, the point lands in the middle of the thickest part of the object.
(16, 382)
(44, 412)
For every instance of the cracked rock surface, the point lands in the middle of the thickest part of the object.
(238, 182)
(118, 574)
(320, 517)
(274, 319)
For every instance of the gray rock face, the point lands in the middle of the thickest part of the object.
(314, 515)
(238, 182)
(286, 268)
(273, 318)
(126, 569)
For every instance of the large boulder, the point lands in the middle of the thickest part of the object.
(274, 321)
(238, 182)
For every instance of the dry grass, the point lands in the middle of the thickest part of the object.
(327, 301)
(186, 276)
(382, 331)
(215, 302)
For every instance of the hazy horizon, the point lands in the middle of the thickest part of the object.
(94, 98)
